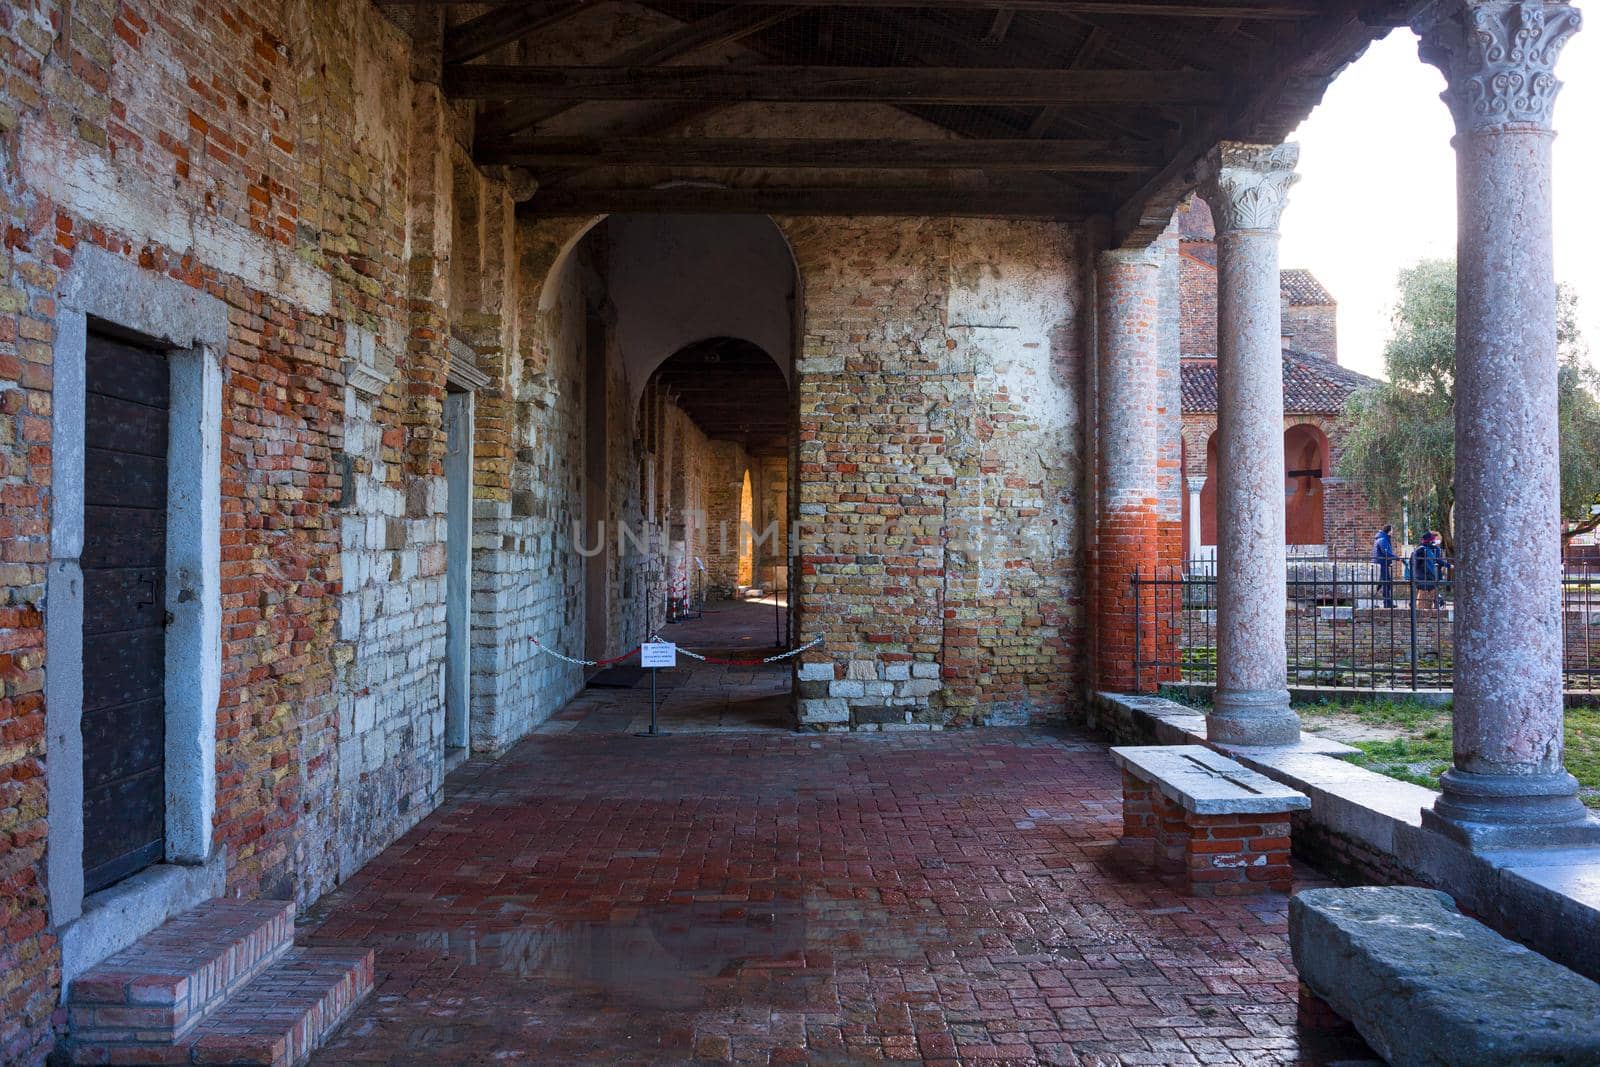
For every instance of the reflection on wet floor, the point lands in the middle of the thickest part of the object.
(742, 893)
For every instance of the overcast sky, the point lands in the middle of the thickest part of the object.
(1377, 190)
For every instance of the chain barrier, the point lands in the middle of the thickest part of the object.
(808, 646)
(778, 658)
(584, 662)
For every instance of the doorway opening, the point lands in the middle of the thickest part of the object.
(458, 416)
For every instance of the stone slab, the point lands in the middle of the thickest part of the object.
(1424, 984)
(1205, 782)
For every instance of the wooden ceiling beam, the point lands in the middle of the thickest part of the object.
(795, 152)
(803, 200)
(893, 85)
(502, 25)
(1275, 10)
(725, 27)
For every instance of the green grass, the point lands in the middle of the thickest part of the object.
(1421, 752)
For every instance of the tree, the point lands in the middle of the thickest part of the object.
(1400, 443)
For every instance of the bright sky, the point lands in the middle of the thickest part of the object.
(1377, 191)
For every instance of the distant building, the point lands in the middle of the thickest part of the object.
(1324, 513)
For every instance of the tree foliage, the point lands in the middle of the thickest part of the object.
(1400, 442)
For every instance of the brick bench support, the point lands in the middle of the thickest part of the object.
(1223, 829)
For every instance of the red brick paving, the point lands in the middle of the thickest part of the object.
(776, 897)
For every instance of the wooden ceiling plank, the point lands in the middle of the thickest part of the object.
(895, 85)
(1085, 156)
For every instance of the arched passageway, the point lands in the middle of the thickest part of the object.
(685, 360)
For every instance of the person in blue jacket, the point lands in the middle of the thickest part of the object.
(1428, 570)
(1383, 554)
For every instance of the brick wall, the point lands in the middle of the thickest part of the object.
(1197, 280)
(1312, 328)
(940, 393)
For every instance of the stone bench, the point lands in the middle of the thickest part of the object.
(1424, 984)
(1196, 813)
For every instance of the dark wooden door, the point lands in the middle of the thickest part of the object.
(124, 611)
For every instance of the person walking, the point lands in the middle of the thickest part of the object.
(1428, 567)
(1383, 554)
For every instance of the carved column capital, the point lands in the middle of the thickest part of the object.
(1146, 256)
(1498, 58)
(1247, 185)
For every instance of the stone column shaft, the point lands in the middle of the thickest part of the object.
(1246, 186)
(1127, 526)
(1508, 785)
(1195, 487)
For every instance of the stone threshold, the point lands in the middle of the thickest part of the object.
(1367, 828)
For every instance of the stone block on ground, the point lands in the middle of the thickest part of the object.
(1424, 984)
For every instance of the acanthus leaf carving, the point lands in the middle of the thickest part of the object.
(1247, 185)
(1498, 58)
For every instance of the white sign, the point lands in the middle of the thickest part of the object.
(658, 654)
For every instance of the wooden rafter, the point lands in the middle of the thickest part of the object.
(797, 152)
(502, 25)
(894, 85)
(802, 200)
(726, 26)
(1276, 10)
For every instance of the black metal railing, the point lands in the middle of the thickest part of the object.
(1350, 624)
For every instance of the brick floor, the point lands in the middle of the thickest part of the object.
(767, 896)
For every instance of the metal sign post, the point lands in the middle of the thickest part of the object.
(654, 655)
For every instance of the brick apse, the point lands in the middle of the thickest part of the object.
(434, 393)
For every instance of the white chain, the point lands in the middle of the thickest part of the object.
(565, 659)
(808, 646)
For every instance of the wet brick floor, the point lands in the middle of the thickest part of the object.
(762, 896)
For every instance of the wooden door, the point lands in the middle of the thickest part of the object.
(124, 611)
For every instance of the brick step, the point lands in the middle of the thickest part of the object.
(278, 1020)
(159, 988)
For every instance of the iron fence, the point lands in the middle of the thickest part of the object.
(1350, 624)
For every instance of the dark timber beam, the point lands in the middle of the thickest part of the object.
(797, 152)
(502, 25)
(799, 200)
(726, 26)
(1192, 9)
(894, 85)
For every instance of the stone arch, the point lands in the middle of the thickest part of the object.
(1305, 449)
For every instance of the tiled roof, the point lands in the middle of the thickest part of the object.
(1303, 290)
(1312, 385)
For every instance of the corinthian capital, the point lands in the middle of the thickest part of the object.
(1247, 185)
(1498, 58)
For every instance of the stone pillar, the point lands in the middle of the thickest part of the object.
(1246, 187)
(1127, 532)
(1508, 786)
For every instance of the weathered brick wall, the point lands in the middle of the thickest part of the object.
(1312, 328)
(725, 486)
(939, 399)
(1197, 280)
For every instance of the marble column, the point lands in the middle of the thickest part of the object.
(1508, 786)
(1247, 186)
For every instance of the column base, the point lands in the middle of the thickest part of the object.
(1502, 811)
(1252, 717)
